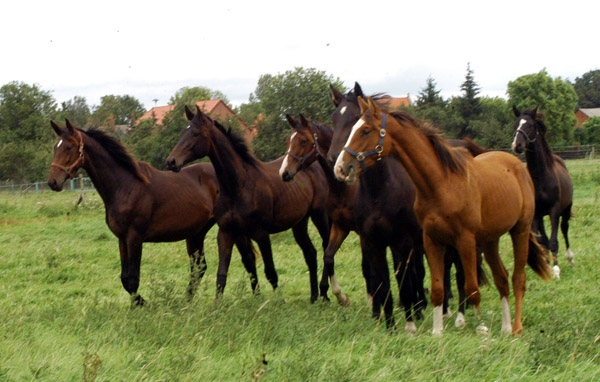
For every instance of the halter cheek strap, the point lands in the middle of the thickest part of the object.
(72, 169)
(360, 157)
(527, 139)
(315, 149)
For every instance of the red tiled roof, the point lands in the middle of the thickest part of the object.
(208, 107)
(395, 102)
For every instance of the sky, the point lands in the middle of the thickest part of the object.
(151, 49)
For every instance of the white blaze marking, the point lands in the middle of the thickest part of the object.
(506, 325)
(188, 126)
(521, 123)
(356, 126)
(59, 143)
(438, 321)
(285, 164)
(343, 110)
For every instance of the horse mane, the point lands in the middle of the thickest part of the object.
(237, 142)
(120, 154)
(453, 159)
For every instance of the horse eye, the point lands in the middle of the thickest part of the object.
(304, 142)
(196, 134)
(365, 132)
(68, 147)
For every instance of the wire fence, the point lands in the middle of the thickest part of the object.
(75, 185)
(85, 184)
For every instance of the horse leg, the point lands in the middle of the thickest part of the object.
(131, 258)
(435, 257)
(520, 240)
(264, 244)
(564, 227)
(449, 260)
(195, 250)
(244, 246)
(553, 247)
(379, 280)
(410, 282)
(225, 244)
(462, 296)
(300, 231)
(492, 256)
(466, 247)
(321, 222)
(336, 238)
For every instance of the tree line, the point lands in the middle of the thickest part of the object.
(26, 140)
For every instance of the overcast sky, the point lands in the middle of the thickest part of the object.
(150, 49)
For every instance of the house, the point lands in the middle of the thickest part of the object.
(583, 115)
(395, 102)
(216, 108)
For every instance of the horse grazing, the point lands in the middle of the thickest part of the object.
(461, 201)
(143, 204)
(253, 200)
(553, 186)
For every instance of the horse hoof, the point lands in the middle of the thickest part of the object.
(569, 256)
(482, 330)
(410, 327)
(137, 301)
(448, 314)
(436, 333)
(343, 300)
(460, 321)
(556, 272)
(506, 329)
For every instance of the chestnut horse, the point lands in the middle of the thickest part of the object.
(253, 200)
(460, 201)
(553, 186)
(143, 204)
(346, 114)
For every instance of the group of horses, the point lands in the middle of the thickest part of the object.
(389, 177)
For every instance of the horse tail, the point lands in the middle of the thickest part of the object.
(256, 252)
(482, 278)
(538, 258)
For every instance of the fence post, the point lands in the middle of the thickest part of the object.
(37, 188)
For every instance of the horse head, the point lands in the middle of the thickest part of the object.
(302, 150)
(194, 141)
(526, 129)
(345, 115)
(68, 155)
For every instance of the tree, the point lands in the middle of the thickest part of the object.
(76, 111)
(588, 89)
(589, 133)
(556, 98)
(296, 91)
(189, 96)
(468, 106)
(429, 96)
(25, 134)
(125, 110)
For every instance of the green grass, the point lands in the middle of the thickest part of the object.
(64, 315)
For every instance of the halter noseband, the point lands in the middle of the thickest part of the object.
(315, 149)
(360, 157)
(68, 169)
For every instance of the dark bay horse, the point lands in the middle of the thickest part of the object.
(254, 201)
(461, 201)
(143, 204)
(553, 186)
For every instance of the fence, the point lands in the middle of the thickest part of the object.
(76, 185)
(566, 152)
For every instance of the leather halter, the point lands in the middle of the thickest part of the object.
(527, 139)
(69, 169)
(315, 149)
(360, 157)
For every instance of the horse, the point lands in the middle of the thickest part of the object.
(143, 204)
(347, 112)
(309, 142)
(254, 201)
(553, 185)
(461, 201)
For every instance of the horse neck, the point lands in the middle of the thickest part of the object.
(414, 150)
(230, 168)
(538, 162)
(105, 173)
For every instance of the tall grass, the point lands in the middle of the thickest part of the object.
(65, 316)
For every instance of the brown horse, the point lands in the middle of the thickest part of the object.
(553, 186)
(309, 142)
(143, 204)
(254, 201)
(460, 201)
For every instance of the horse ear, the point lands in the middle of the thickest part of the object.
(188, 113)
(70, 127)
(364, 105)
(358, 90)
(516, 111)
(57, 129)
(534, 112)
(336, 96)
(291, 121)
(373, 106)
(303, 121)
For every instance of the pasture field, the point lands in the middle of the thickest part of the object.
(64, 315)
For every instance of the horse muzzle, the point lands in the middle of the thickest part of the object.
(172, 164)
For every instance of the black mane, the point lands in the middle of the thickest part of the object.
(541, 129)
(237, 142)
(118, 152)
